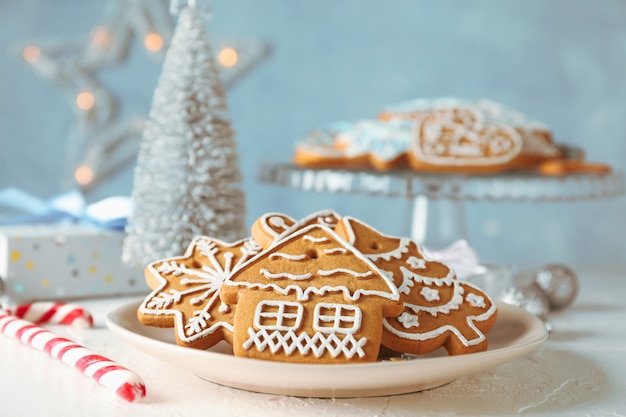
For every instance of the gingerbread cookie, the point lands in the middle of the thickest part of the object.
(186, 291)
(536, 137)
(270, 227)
(267, 228)
(439, 310)
(458, 140)
(440, 135)
(320, 148)
(565, 167)
(310, 297)
(365, 143)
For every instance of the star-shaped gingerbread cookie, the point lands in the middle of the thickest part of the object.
(186, 291)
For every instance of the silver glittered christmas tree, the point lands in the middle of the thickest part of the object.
(187, 179)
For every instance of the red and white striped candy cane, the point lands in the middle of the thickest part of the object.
(41, 312)
(124, 382)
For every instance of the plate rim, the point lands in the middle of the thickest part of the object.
(114, 322)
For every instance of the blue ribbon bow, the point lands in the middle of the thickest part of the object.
(109, 213)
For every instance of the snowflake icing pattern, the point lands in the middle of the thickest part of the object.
(191, 285)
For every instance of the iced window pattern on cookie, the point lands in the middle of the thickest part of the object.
(337, 318)
(278, 315)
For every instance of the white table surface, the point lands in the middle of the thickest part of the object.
(580, 370)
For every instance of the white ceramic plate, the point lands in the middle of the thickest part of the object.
(515, 333)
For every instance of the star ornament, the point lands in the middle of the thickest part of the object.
(102, 143)
(186, 291)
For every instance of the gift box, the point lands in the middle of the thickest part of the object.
(65, 261)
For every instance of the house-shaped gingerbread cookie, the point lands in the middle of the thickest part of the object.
(310, 297)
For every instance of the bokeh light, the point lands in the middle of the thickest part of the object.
(228, 57)
(83, 175)
(85, 100)
(31, 54)
(153, 42)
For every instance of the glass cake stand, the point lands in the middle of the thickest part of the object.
(438, 217)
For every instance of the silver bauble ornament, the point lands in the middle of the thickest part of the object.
(529, 297)
(559, 283)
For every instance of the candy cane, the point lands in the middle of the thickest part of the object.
(125, 383)
(41, 312)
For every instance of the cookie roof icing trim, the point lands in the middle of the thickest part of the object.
(368, 280)
(269, 222)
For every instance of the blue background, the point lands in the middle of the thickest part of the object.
(560, 61)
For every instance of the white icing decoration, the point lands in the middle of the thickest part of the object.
(322, 239)
(210, 249)
(416, 263)
(319, 142)
(454, 303)
(224, 308)
(197, 323)
(470, 320)
(387, 274)
(171, 268)
(492, 111)
(327, 220)
(324, 217)
(476, 300)
(403, 243)
(408, 320)
(333, 251)
(430, 294)
(205, 281)
(304, 293)
(288, 256)
(386, 140)
(409, 277)
(189, 281)
(396, 253)
(164, 300)
(290, 341)
(330, 220)
(287, 275)
(339, 317)
(277, 222)
(459, 136)
(284, 316)
(329, 272)
(250, 248)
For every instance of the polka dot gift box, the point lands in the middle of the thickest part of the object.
(64, 261)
